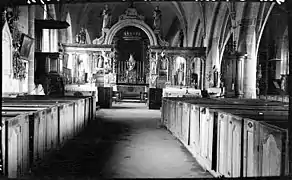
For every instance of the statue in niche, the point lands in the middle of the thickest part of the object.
(100, 61)
(157, 18)
(152, 64)
(131, 63)
(215, 75)
(180, 73)
(163, 62)
(153, 67)
(153, 81)
(163, 65)
(106, 14)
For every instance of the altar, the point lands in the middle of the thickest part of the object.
(133, 60)
(131, 91)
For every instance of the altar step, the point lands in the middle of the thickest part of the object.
(131, 101)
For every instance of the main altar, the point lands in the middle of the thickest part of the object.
(132, 58)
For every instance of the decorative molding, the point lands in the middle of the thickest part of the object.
(86, 47)
(161, 41)
(130, 22)
(131, 13)
(181, 51)
(101, 39)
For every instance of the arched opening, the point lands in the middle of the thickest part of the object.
(131, 46)
(196, 73)
(134, 23)
(179, 71)
(273, 55)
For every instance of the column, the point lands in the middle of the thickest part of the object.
(188, 68)
(289, 5)
(239, 75)
(212, 60)
(170, 69)
(31, 33)
(250, 64)
(229, 64)
(202, 72)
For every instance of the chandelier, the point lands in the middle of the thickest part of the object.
(129, 35)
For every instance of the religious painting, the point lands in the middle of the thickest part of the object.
(26, 43)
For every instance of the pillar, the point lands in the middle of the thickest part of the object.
(248, 43)
(203, 73)
(187, 71)
(289, 4)
(31, 33)
(170, 69)
(229, 68)
(212, 60)
(239, 68)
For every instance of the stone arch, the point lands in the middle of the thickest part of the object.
(225, 35)
(131, 22)
(182, 18)
(263, 27)
(180, 59)
(196, 32)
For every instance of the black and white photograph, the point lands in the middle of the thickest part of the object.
(150, 89)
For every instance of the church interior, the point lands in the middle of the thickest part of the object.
(193, 89)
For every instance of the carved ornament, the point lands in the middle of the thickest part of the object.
(131, 13)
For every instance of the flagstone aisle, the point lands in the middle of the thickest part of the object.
(124, 142)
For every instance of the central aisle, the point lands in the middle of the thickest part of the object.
(125, 144)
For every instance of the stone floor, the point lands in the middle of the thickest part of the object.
(123, 143)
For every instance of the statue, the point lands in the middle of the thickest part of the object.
(163, 65)
(100, 61)
(153, 67)
(106, 17)
(131, 63)
(215, 74)
(180, 72)
(77, 38)
(157, 18)
(163, 62)
(81, 37)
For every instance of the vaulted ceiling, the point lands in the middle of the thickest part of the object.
(175, 15)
